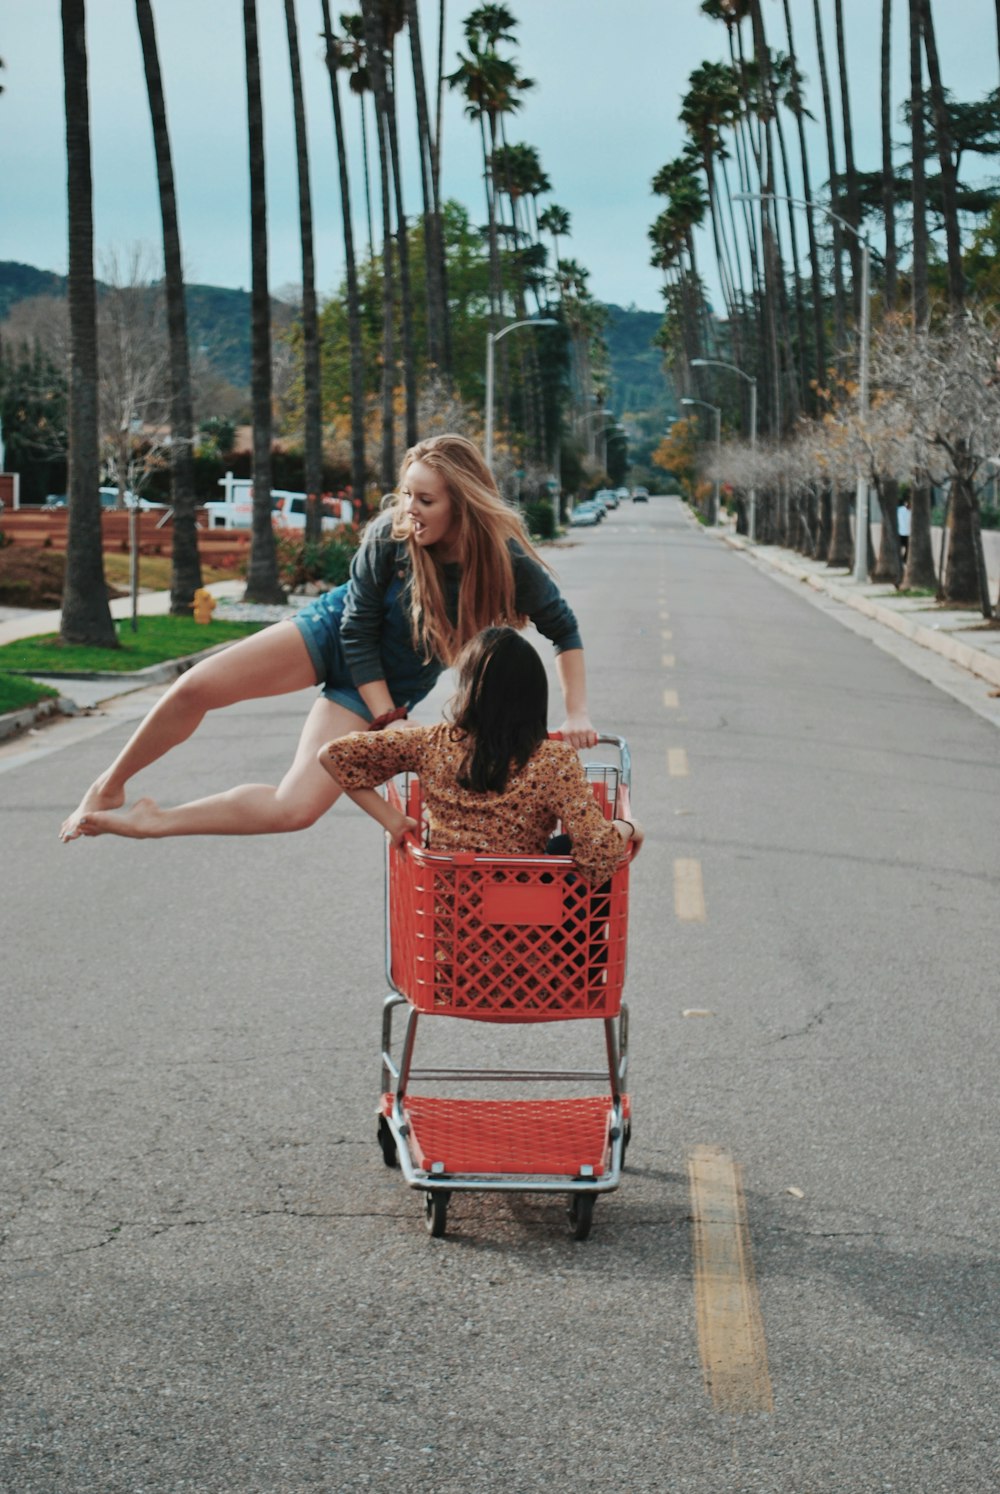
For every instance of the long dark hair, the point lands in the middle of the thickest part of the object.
(501, 707)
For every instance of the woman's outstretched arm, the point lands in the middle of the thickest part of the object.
(577, 729)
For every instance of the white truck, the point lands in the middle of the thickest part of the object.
(235, 510)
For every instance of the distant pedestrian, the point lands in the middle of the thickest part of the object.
(903, 527)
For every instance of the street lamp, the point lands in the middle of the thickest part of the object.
(861, 495)
(717, 363)
(718, 448)
(492, 338)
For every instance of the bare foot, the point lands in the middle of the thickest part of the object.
(143, 821)
(96, 797)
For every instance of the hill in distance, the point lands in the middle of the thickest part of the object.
(219, 329)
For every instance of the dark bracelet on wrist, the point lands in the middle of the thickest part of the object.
(398, 713)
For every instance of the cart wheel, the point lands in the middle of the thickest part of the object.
(581, 1214)
(387, 1142)
(436, 1211)
(626, 1138)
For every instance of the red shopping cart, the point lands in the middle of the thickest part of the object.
(506, 939)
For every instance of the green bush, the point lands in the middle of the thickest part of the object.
(301, 562)
(989, 518)
(540, 520)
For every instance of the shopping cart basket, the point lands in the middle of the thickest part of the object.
(506, 939)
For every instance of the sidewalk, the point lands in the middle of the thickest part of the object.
(962, 636)
(86, 693)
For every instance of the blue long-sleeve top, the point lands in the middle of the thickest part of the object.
(375, 626)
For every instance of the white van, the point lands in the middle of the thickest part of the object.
(290, 511)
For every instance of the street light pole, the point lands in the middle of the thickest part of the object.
(492, 338)
(718, 448)
(864, 333)
(717, 363)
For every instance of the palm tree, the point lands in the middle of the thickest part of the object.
(335, 58)
(388, 19)
(491, 85)
(313, 421)
(185, 577)
(919, 572)
(888, 179)
(376, 69)
(352, 54)
(946, 158)
(556, 221)
(263, 584)
(794, 101)
(852, 207)
(437, 297)
(86, 616)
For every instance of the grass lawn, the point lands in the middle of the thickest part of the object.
(16, 693)
(154, 572)
(158, 638)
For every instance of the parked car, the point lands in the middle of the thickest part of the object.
(640, 495)
(607, 497)
(621, 493)
(109, 499)
(585, 514)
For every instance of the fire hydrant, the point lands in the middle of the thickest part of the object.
(204, 605)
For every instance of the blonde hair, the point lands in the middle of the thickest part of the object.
(485, 527)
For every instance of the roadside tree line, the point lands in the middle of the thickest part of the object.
(395, 349)
(789, 257)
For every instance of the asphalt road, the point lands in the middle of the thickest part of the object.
(211, 1282)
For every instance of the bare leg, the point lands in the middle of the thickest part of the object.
(304, 794)
(274, 661)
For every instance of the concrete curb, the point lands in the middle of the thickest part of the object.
(977, 662)
(13, 723)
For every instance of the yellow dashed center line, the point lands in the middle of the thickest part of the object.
(689, 894)
(668, 661)
(666, 635)
(730, 1326)
(677, 762)
(664, 617)
(670, 700)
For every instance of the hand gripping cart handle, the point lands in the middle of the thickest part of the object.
(510, 940)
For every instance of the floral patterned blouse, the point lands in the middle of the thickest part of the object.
(551, 787)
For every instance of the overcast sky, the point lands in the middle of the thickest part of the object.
(609, 76)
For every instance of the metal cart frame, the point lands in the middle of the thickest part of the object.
(579, 1142)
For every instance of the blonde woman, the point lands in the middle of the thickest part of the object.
(445, 559)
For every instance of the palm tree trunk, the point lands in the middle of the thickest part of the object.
(839, 321)
(888, 181)
(919, 275)
(86, 616)
(262, 573)
(313, 421)
(949, 183)
(819, 339)
(852, 209)
(409, 354)
(387, 473)
(185, 578)
(425, 151)
(358, 472)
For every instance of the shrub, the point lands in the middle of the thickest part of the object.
(540, 520)
(301, 562)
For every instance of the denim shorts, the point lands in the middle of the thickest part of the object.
(319, 624)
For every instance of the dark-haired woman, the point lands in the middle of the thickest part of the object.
(491, 780)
